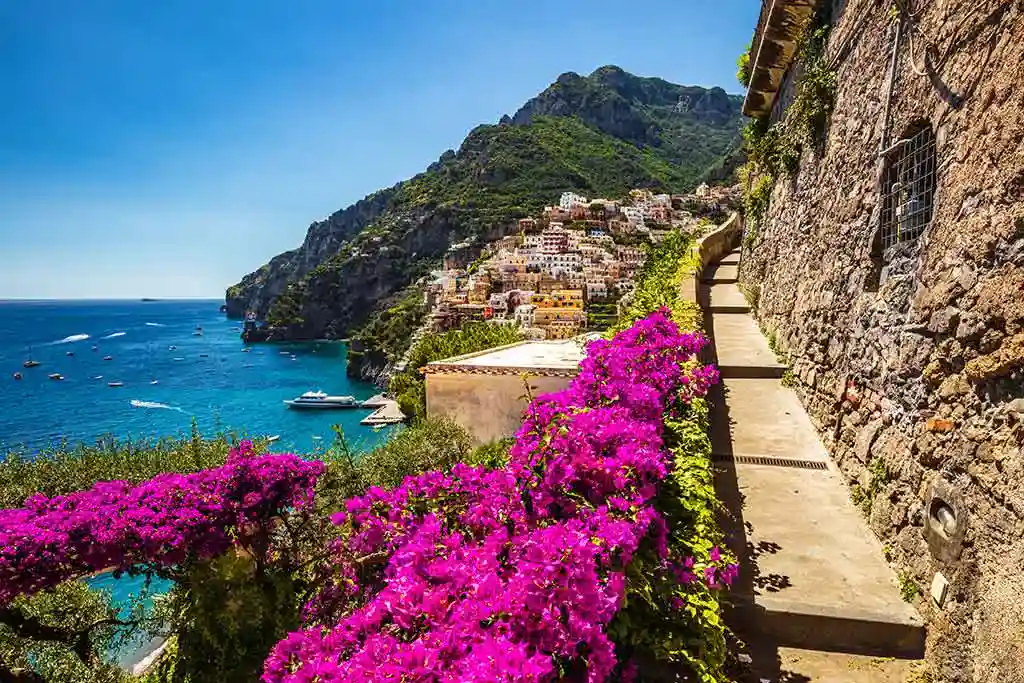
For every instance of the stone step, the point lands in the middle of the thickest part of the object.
(812, 574)
(762, 418)
(723, 298)
(731, 258)
(777, 664)
(740, 348)
(721, 274)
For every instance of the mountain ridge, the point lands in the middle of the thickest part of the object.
(597, 134)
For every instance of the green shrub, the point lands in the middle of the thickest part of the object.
(67, 468)
(429, 444)
(909, 590)
(648, 623)
(493, 455)
(71, 614)
(659, 280)
(743, 67)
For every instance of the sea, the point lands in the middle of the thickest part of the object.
(177, 361)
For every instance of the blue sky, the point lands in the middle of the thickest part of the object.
(166, 149)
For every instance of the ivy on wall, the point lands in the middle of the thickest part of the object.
(774, 149)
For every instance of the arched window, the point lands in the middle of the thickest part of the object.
(908, 187)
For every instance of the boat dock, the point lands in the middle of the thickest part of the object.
(387, 411)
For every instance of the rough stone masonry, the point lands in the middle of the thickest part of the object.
(910, 356)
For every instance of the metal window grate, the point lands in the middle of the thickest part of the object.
(908, 188)
(769, 460)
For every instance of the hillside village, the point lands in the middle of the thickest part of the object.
(565, 270)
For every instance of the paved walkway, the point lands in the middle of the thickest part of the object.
(816, 601)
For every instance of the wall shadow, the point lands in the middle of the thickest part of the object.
(757, 654)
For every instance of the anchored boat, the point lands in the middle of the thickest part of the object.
(320, 400)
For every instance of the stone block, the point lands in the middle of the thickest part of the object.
(865, 440)
(952, 386)
(939, 589)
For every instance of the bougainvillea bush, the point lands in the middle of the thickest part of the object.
(163, 521)
(591, 556)
(516, 574)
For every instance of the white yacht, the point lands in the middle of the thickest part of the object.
(319, 399)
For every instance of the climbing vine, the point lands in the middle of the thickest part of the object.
(774, 149)
(743, 67)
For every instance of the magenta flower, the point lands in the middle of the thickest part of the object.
(485, 575)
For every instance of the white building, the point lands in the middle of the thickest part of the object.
(662, 200)
(571, 199)
(596, 290)
(634, 214)
(499, 303)
(525, 315)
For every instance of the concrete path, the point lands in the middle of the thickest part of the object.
(816, 600)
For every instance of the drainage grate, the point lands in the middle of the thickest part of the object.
(769, 460)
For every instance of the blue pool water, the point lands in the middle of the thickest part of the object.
(208, 377)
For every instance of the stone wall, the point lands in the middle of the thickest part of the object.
(915, 374)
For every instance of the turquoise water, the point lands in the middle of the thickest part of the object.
(208, 377)
(122, 591)
(215, 381)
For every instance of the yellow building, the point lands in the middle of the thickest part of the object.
(559, 299)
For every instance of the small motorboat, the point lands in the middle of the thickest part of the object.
(178, 359)
(272, 439)
(284, 353)
(70, 353)
(98, 377)
(108, 358)
(95, 347)
(172, 347)
(115, 384)
(246, 350)
(56, 376)
(17, 375)
(198, 332)
(156, 381)
(320, 400)
(204, 355)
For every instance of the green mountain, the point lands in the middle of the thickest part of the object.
(598, 135)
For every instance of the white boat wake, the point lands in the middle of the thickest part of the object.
(71, 339)
(155, 405)
(155, 325)
(115, 334)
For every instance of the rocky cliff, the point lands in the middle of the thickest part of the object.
(600, 134)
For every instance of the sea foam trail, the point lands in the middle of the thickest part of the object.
(115, 334)
(72, 338)
(154, 404)
(155, 325)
